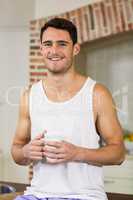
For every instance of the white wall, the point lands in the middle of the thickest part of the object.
(53, 7)
(14, 50)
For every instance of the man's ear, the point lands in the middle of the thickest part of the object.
(76, 49)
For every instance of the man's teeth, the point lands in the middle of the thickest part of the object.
(55, 59)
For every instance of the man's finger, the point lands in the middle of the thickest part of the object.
(53, 143)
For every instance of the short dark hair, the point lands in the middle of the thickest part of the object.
(61, 23)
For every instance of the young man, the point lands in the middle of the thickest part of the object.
(68, 105)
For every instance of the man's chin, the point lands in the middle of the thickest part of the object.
(57, 71)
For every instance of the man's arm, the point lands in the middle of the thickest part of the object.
(22, 134)
(109, 129)
(23, 149)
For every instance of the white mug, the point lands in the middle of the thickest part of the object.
(52, 136)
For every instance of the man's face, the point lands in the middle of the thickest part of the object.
(58, 50)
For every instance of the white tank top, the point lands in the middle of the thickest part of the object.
(74, 120)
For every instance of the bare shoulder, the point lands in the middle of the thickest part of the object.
(24, 101)
(101, 91)
(103, 99)
(26, 91)
(103, 102)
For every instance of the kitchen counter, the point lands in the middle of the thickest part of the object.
(19, 190)
(119, 179)
(9, 196)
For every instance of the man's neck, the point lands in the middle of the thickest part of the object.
(61, 82)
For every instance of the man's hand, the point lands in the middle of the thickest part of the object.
(59, 152)
(34, 149)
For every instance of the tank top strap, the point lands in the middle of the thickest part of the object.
(89, 85)
(87, 94)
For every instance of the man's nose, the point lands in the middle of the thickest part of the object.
(54, 48)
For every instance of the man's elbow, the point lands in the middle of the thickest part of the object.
(121, 156)
(13, 154)
(121, 160)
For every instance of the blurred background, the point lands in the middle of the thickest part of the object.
(105, 56)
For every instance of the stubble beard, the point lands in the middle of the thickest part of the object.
(61, 70)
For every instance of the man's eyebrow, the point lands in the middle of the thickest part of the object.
(63, 41)
(46, 41)
(58, 41)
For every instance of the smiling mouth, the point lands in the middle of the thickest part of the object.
(55, 58)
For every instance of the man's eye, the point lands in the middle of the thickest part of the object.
(62, 44)
(46, 44)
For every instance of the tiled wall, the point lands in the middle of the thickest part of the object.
(110, 62)
(99, 20)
